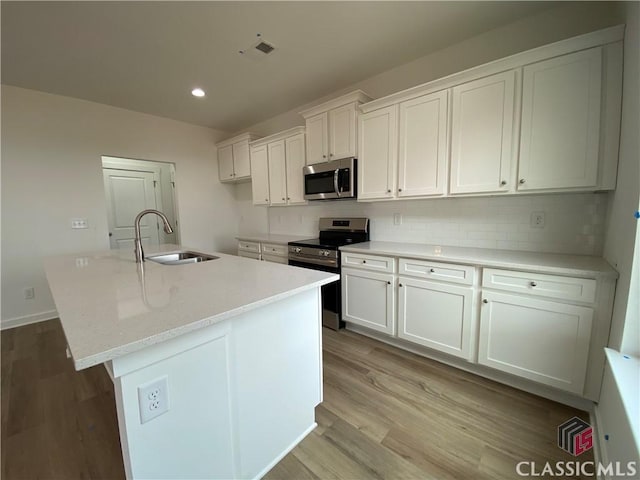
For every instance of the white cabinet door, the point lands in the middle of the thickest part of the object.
(317, 138)
(436, 315)
(481, 134)
(260, 175)
(423, 146)
(547, 342)
(225, 163)
(561, 122)
(294, 147)
(342, 132)
(241, 161)
(277, 173)
(378, 153)
(368, 299)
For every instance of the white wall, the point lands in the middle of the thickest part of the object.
(621, 227)
(51, 172)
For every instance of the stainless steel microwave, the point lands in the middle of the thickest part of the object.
(331, 180)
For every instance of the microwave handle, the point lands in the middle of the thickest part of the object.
(335, 181)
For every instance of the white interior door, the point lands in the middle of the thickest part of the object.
(129, 192)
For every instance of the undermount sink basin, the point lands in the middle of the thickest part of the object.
(180, 258)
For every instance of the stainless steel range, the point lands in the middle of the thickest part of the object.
(322, 254)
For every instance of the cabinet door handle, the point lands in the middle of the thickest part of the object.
(282, 198)
(288, 198)
(503, 183)
(331, 154)
(389, 191)
(399, 190)
(388, 282)
(266, 199)
(533, 284)
(324, 156)
(522, 180)
(485, 301)
(399, 284)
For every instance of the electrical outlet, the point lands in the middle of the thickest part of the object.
(29, 293)
(537, 220)
(397, 219)
(153, 399)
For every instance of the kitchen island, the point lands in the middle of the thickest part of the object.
(230, 348)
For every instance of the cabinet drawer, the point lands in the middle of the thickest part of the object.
(369, 262)
(275, 259)
(552, 286)
(446, 272)
(249, 246)
(244, 253)
(274, 249)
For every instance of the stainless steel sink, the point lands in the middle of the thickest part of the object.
(180, 258)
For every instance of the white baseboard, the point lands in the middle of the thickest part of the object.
(27, 319)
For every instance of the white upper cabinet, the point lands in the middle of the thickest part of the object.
(317, 138)
(225, 163)
(378, 153)
(332, 128)
(277, 173)
(234, 164)
(279, 159)
(342, 132)
(544, 120)
(481, 134)
(422, 157)
(260, 178)
(294, 152)
(561, 122)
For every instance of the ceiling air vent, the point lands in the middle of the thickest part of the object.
(258, 50)
(265, 48)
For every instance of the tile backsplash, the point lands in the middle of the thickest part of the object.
(574, 223)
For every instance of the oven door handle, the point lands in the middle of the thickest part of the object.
(335, 181)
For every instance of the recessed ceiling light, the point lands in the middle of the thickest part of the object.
(197, 92)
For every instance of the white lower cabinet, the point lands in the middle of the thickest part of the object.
(368, 299)
(543, 341)
(436, 315)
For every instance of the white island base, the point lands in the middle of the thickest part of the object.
(242, 394)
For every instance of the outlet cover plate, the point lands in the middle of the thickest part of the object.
(153, 398)
(537, 220)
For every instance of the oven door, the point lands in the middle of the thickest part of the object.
(331, 296)
(332, 180)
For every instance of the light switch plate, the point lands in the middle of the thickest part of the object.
(78, 223)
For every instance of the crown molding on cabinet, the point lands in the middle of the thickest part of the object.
(249, 137)
(277, 136)
(357, 96)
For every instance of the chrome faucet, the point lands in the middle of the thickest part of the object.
(138, 242)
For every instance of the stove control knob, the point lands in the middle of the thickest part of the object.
(297, 249)
(325, 253)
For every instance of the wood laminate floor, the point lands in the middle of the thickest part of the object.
(386, 414)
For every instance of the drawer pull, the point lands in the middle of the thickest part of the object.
(364, 261)
(485, 301)
(431, 270)
(533, 284)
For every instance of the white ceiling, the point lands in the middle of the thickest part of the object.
(147, 56)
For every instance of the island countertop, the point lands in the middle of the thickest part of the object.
(109, 306)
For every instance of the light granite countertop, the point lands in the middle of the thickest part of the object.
(273, 238)
(109, 306)
(553, 263)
